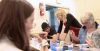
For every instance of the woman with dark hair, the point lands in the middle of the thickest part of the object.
(48, 29)
(15, 22)
(52, 36)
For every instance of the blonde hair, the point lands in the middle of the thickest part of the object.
(61, 11)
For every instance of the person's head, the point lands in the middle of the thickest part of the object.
(88, 20)
(45, 27)
(61, 13)
(15, 21)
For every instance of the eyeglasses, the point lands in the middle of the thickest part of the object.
(86, 22)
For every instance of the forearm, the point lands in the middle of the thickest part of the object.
(60, 27)
(46, 48)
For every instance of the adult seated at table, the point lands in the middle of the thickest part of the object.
(52, 36)
(86, 32)
(46, 28)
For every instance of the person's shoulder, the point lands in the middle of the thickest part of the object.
(96, 32)
(7, 48)
(82, 31)
(6, 45)
(69, 15)
(83, 28)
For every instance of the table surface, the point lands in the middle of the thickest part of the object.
(85, 49)
(82, 49)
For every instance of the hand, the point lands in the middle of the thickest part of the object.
(72, 34)
(43, 35)
(89, 42)
(62, 36)
(44, 43)
(74, 37)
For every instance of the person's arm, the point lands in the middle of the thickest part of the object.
(60, 27)
(82, 35)
(79, 35)
(74, 38)
(75, 23)
(33, 49)
(44, 45)
(71, 21)
(68, 24)
(46, 48)
(67, 27)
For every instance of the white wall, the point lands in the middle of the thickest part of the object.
(93, 6)
(38, 20)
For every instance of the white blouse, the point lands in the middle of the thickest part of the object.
(7, 45)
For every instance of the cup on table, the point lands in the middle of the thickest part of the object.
(84, 46)
(61, 44)
(65, 48)
(76, 48)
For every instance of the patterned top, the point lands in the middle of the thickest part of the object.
(93, 37)
(96, 38)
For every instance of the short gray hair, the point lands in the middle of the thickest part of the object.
(88, 16)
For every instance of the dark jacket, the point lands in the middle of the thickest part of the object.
(71, 22)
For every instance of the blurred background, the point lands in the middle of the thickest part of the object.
(75, 7)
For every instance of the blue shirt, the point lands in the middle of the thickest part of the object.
(82, 35)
